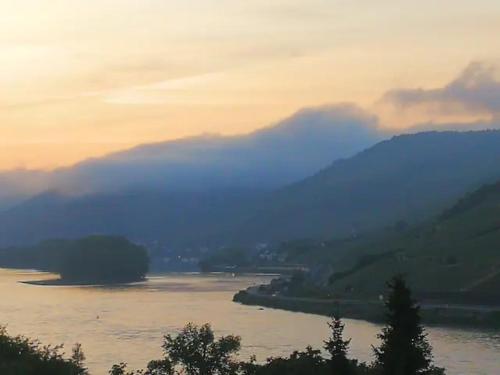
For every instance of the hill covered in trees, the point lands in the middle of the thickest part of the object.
(452, 262)
(96, 259)
(454, 256)
(408, 178)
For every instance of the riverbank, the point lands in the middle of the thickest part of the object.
(373, 311)
(63, 282)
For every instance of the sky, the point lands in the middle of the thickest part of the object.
(82, 78)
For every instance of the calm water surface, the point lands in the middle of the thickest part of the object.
(116, 324)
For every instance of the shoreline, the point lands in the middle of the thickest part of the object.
(62, 282)
(446, 315)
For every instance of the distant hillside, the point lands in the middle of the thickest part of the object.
(175, 218)
(407, 178)
(268, 158)
(459, 252)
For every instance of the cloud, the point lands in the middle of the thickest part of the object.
(474, 94)
(270, 157)
(158, 92)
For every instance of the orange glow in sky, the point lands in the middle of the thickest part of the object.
(82, 78)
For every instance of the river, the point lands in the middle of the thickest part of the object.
(127, 323)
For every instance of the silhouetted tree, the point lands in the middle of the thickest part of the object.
(120, 369)
(20, 355)
(78, 359)
(404, 349)
(299, 363)
(197, 352)
(338, 347)
(160, 367)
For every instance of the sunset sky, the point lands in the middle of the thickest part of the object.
(81, 78)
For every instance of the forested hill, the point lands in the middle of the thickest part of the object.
(406, 178)
(95, 259)
(459, 252)
(409, 178)
(177, 218)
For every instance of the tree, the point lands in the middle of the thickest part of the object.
(338, 348)
(198, 353)
(78, 359)
(404, 349)
(160, 367)
(20, 355)
(119, 369)
(299, 363)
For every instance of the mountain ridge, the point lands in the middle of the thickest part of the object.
(385, 180)
(287, 151)
(408, 178)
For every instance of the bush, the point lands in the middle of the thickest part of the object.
(22, 356)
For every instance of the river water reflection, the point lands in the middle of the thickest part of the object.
(126, 323)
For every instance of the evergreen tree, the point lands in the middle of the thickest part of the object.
(338, 347)
(78, 359)
(404, 349)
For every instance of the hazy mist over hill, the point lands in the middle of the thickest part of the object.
(280, 154)
(286, 152)
(409, 177)
(278, 182)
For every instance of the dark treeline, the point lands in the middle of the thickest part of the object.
(94, 259)
(404, 350)
(22, 356)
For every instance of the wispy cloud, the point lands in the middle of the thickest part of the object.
(160, 92)
(475, 92)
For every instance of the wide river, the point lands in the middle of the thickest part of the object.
(126, 324)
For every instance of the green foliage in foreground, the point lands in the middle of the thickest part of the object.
(22, 356)
(404, 350)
